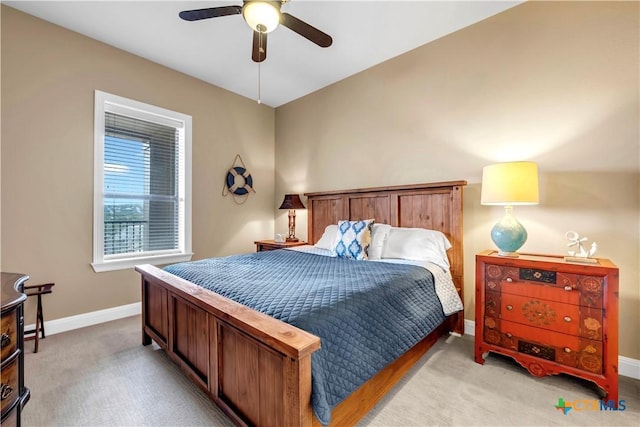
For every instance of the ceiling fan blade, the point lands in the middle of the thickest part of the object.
(259, 51)
(305, 30)
(211, 12)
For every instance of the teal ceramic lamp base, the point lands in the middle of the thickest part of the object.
(508, 234)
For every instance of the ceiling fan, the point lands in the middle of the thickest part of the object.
(263, 17)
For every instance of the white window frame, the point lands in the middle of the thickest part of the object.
(105, 102)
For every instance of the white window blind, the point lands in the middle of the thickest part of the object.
(142, 213)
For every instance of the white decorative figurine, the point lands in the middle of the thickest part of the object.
(581, 255)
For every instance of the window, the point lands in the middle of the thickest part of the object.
(142, 184)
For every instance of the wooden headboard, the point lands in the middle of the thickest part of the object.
(436, 206)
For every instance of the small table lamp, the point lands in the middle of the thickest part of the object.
(292, 202)
(508, 184)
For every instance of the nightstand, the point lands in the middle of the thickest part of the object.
(550, 315)
(269, 245)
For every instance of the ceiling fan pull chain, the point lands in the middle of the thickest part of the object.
(260, 43)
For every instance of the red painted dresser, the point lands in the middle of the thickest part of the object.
(550, 315)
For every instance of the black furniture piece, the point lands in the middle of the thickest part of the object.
(38, 332)
(13, 393)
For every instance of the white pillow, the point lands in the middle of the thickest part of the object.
(328, 239)
(379, 235)
(417, 244)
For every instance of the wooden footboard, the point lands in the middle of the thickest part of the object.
(256, 368)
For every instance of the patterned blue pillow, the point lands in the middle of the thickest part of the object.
(354, 238)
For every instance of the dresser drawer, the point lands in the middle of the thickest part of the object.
(9, 336)
(551, 315)
(539, 291)
(570, 350)
(530, 291)
(564, 287)
(9, 387)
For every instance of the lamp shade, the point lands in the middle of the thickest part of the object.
(262, 16)
(292, 201)
(512, 183)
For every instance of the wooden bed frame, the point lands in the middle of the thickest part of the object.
(257, 369)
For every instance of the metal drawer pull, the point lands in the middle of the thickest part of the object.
(509, 279)
(568, 288)
(6, 391)
(508, 335)
(567, 319)
(5, 340)
(567, 350)
(509, 307)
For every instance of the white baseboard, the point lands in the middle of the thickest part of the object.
(627, 366)
(88, 319)
(470, 327)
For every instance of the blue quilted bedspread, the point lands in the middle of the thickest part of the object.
(365, 313)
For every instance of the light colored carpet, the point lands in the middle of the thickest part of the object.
(103, 376)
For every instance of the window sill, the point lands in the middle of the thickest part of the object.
(122, 264)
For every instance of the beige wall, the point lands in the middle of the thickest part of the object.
(49, 75)
(555, 83)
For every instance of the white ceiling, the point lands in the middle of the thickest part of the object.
(218, 50)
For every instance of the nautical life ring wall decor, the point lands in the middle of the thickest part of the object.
(239, 182)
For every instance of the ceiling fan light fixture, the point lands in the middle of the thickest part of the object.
(261, 16)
